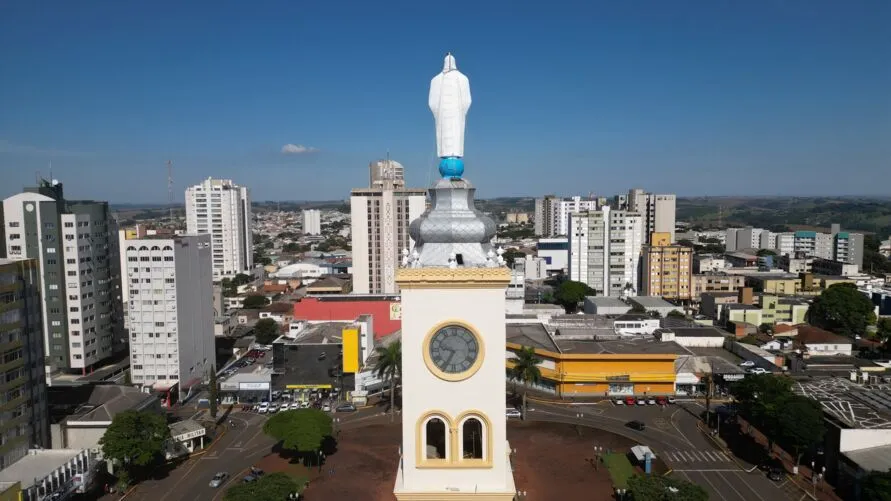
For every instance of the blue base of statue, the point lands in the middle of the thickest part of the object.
(451, 167)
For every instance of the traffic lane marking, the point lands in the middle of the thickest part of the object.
(707, 485)
(573, 415)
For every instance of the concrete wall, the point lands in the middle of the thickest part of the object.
(854, 440)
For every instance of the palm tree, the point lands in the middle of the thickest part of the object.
(389, 368)
(525, 370)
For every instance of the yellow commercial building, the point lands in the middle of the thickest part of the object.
(11, 491)
(666, 269)
(589, 368)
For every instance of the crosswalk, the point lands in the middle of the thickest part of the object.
(696, 456)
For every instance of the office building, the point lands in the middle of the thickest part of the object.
(552, 213)
(604, 250)
(715, 282)
(657, 211)
(222, 209)
(666, 269)
(76, 244)
(380, 216)
(171, 311)
(24, 421)
(555, 253)
(847, 247)
(312, 222)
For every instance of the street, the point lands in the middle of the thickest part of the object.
(672, 433)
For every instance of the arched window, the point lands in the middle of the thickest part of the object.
(168, 248)
(143, 248)
(131, 248)
(155, 247)
(472, 439)
(435, 438)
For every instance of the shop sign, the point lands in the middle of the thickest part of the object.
(395, 311)
(253, 386)
(190, 435)
(229, 386)
(308, 386)
(733, 377)
(624, 377)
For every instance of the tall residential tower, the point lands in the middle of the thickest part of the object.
(222, 209)
(604, 250)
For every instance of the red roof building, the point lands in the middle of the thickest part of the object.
(385, 311)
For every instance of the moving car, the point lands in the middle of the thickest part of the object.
(513, 413)
(345, 408)
(636, 425)
(218, 479)
(747, 363)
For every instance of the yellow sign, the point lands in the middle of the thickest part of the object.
(350, 350)
(308, 386)
(395, 311)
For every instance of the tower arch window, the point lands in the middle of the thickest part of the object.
(474, 440)
(435, 439)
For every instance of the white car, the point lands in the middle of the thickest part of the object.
(305, 404)
(759, 370)
(284, 407)
(651, 401)
(514, 413)
(747, 363)
(619, 401)
(273, 408)
(326, 408)
(641, 401)
(295, 405)
(264, 408)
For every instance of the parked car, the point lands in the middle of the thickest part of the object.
(620, 401)
(285, 406)
(641, 401)
(636, 425)
(326, 407)
(629, 400)
(661, 400)
(295, 405)
(747, 363)
(651, 401)
(671, 400)
(513, 413)
(776, 474)
(263, 408)
(273, 408)
(345, 408)
(758, 370)
(276, 395)
(218, 479)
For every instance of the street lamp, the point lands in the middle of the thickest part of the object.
(598, 450)
(578, 426)
(621, 492)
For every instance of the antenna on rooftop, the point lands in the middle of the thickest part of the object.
(170, 187)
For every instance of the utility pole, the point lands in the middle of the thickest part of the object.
(170, 187)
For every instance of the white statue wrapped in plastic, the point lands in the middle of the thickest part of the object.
(449, 101)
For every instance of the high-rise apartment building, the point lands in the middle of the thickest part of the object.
(222, 209)
(380, 216)
(666, 269)
(312, 222)
(658, 212)
(24, 420)
(847, 247)
(171, 310)
(552, 214)
(604, 250)
(76, 244)
(837, 245)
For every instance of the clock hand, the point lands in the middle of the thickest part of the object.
(451, 356)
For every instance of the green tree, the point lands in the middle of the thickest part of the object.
(389, 368)
(765, 328)
(570, 293)
(255, 301)
(842, 309)
(272, 486)
(661, 488)
(876, 486)
(511, 256)
(638, 308)
(675, 314)
(242, 279)
(765, 252)
(266, 330)
(135, 439)
(301, 430)
(883, 330)
(214, 390)
(800, 424)
(525, 370)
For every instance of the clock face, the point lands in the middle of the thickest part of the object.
(454, 349)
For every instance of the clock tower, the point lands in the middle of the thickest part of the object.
(454, 442)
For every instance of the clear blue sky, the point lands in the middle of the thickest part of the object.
(694, 97)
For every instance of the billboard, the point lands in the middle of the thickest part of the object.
(350, 350)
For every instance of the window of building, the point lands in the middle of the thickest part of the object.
(435, 438)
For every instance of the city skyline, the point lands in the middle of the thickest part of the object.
(299, 99)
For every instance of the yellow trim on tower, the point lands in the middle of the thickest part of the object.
(453, 278)
(445, 376)
(421, 460)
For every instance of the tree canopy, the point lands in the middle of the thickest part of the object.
(661, 488)
(512, 255)
(135, 438)
(570, 293)
(765, 252)
(266, 330)
(270, 486)
(842, 309)
(389, 368)
(675, 314)
(793, 421)
(301, 430)
(525, 370)
(876, 486)
(255, 301)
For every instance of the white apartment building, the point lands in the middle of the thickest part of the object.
(379, 218)
(552, 214)
(312, 222)
(604, 250)
(222, 209)
(555, 253)
(658, 212)
(75, 243)
(171, 311)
